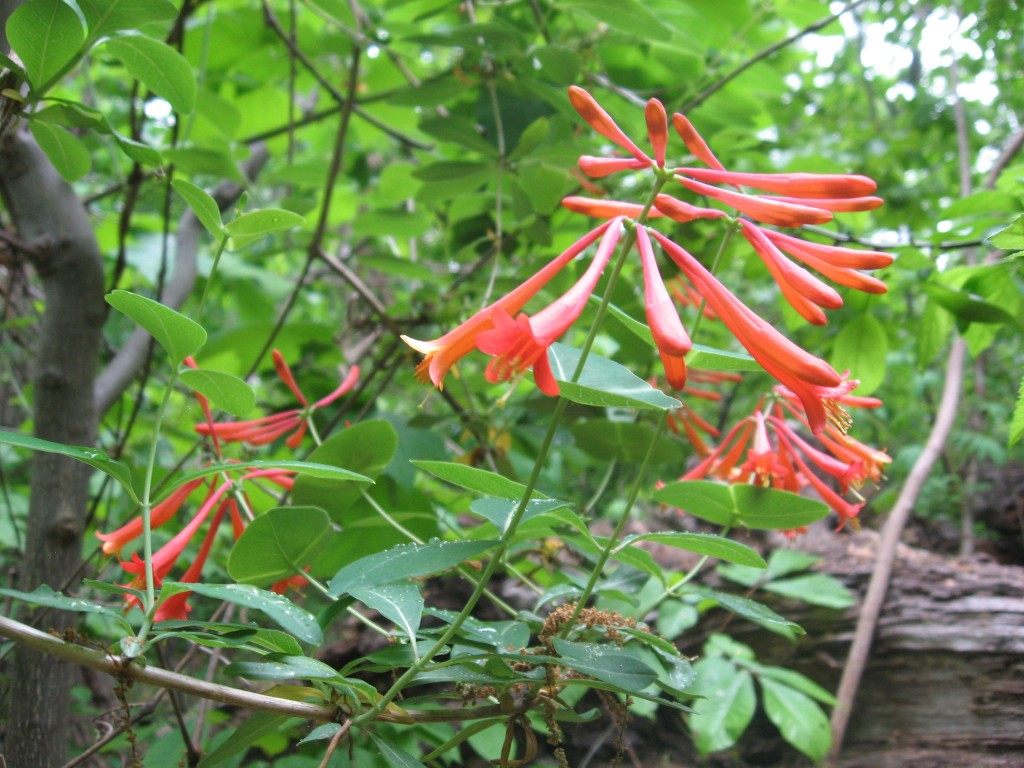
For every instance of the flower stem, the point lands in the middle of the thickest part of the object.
(602, 560)
(731, 228)
(147, 507)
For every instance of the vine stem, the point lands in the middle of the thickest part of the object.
(606, 553)
(147, 508)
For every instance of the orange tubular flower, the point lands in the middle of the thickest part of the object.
(267, 429)
(804, 292)
(113, 542)
(761, 208)
(522, 343)
(599, 167)
(778, 457)
(695, 142)
(604, 209)
(813, 380)
(442, 353)
(682, 212)
(657, 129)
(670, 337)
(602, 122)
(820, 185)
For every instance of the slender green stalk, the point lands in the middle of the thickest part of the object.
(213, 272)
(602, 560)
(147, 507)
(730, 230)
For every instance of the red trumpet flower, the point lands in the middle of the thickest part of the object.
(295, 420)
(442, 353)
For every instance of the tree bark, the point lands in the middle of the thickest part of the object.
(49, 216)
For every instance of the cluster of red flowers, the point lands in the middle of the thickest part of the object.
(519, 342)
(765, 449)
(224, 494)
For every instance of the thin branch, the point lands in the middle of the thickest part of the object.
(703, 96)
(362, 289)
(123, 668)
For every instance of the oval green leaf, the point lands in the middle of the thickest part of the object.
(46, 35)
(861, 348)
(203, 206)
(106, 16)
(227, 392)
(747, 505)
(283, 611)
(278, 544)
(475, 479)
(707, 544)
(366, 447)
(177, 334)
(251, 226)
(406, 561)
(157, 66)
(609, 663)
(604, 382)
(66, 151)
(799, 719)
(94, 457)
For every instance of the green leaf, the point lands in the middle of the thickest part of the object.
(624, 441)
(798, 718)
(94, 457)
(748, 609)
(325, 731)
(283, 611)
(66, 151)
(46, 35)
(203, 206)
(700, 356)
(256, 726)
(861, 348)
(609, 663)
(604, 382)
(711, 359)
(706, 544)
(793, 679)
(721, 717)
(45, 596)
(393, 756)
(1017, 422)
(282, 666)
(302, 468)
(251, 226)
(1011, 238)
(499, 511)
(748, 505)
(475, 479)
(814, 588)
(177, 334)
(366, 447)
(278, 544)
(400, 603)
(106, 16)
(405, 561)
(966, 307)
(157, 66)
(227, 392)
(623, 16)
(141, 153)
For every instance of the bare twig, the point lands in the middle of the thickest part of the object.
(703, 96)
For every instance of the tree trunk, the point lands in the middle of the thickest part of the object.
(49, 217)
